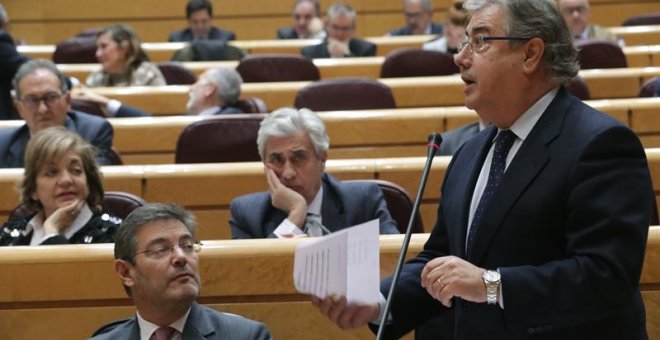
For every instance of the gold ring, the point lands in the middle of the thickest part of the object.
(442, 285)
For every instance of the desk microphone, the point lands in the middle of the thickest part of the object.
(433, 145)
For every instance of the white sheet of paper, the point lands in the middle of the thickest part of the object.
(344, 263)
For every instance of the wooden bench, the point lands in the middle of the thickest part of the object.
(207, 189)
(359, 134)
(369, 67)
(248, 277)
(408, 92)
(163, 51)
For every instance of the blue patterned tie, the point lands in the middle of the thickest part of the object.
(502, 146)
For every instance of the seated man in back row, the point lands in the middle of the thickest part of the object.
(43, 99)
(301, 197)
(340, 26)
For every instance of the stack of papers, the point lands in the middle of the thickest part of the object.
(344, 263)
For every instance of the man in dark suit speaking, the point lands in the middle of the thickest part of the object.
(544, 215)
(157, 262)
(301, 197)
(340, 42)
(42, 99)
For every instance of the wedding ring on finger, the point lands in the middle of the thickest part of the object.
(442, 285)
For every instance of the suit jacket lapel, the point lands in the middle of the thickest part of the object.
(332, 211)
(530, 159)
(482, 142)
(273, 219)
(198, 324)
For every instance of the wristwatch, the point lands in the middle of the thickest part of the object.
(492, 282)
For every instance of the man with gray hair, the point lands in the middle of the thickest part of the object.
(543, 216)
(10, 61)
(339, 43)
(156, 259)
(418, 15)
(302, 197)
(216, 91)
(43, 100)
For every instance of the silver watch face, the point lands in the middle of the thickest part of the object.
(491, 276)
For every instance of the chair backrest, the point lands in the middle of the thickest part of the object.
(76, 50)
(641, 20)
(230, 138)
(345, 94)
(252, 105)
(115, 203)
(650, 88)
(409, 62)
(176, 74)
(399, 203)
(579, 88)
(277, 67)
(208, 50)
(115, 157)
(120, 204)
(87, 106)
(600, 54)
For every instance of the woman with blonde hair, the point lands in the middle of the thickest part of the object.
(123, 61)
(63, 187)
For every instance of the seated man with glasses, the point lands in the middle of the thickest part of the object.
(42, 99)
(340, 43)
(157, 262)
(576, 14)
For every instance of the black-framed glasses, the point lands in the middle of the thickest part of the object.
(479, 42)
(32, 102)
(158, 252)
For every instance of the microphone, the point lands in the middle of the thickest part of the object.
(434, 141)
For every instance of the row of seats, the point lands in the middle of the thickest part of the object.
(405, 62)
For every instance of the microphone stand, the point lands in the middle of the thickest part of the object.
(433, 145)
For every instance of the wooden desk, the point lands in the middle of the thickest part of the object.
(638, 35)
(408, 92)
(252, 278)
(248, 277)
(365, 133)
(207, 189)
(163, 51)
(368, 67)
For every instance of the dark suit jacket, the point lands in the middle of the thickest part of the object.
(405, 30)
(358, 48)
(126, 111)
(214, 34)
(98, 229)
(344, 205)
(202, 323)
(10, 61)
(96, 130)
(452, 140)
(287, 33)
(566, 227)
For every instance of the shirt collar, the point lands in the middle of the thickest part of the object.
(525, 123)
(314, 208)
(37, 224)
(147, 328)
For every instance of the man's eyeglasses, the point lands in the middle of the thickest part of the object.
(478, 43)
(161, 251)
(32, 102)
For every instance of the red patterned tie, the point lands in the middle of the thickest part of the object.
(164, 333)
